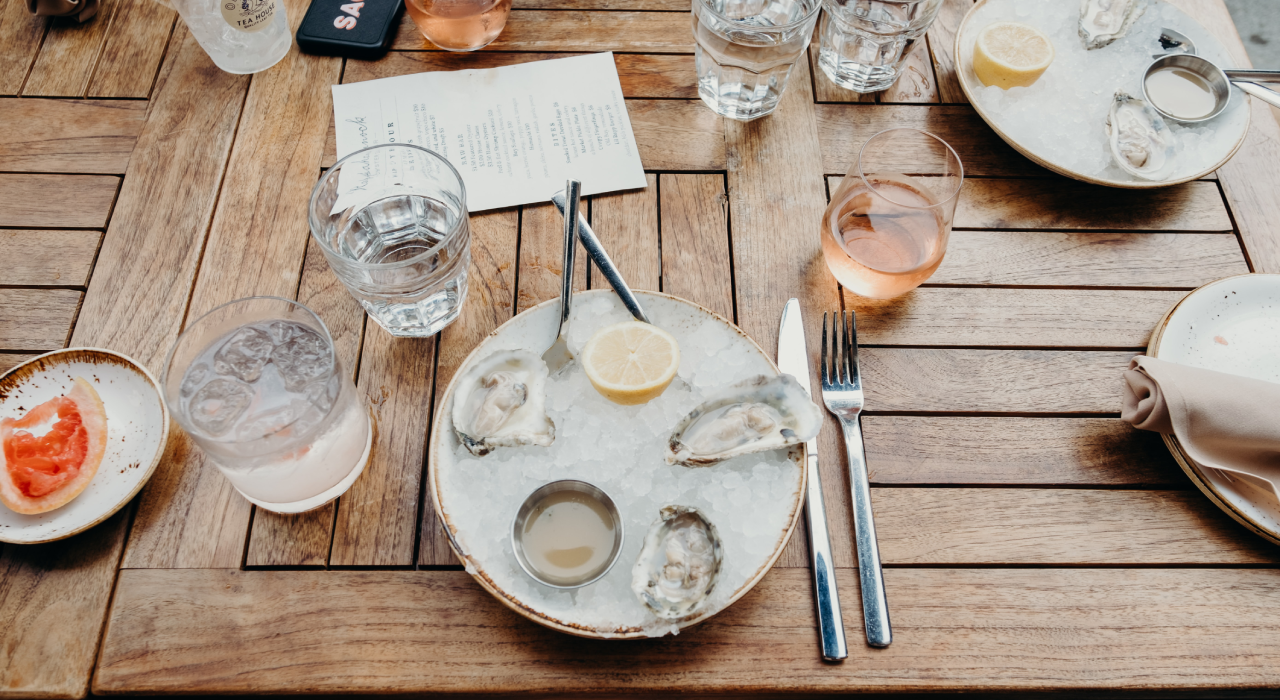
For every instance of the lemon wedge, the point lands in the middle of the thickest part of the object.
(1009, 54)
(631, 363)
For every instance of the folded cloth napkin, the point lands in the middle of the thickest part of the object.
(1222, 421)
(81, 10)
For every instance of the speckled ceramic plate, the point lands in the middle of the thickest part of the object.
(1231, 325)
(534, 330)
(966, 35)
(137, 428)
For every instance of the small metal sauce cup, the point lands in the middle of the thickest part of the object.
(532, 501)
(1212, 74)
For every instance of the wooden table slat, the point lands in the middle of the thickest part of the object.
(942, 39)
(37, 319)
(1019, 317)
(627, 225)
(69, 54)
(696, 262)
(47, 258)
(20, 37)
(1055, 204)
(84, 201)
(1015, 451)
(1210, 630)
(70, 136)
(134, 48)
(1089, 259)
(963, 380)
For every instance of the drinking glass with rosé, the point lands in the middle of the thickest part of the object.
(885, 231)
(459, 25)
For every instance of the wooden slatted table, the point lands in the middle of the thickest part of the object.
(1031, 540)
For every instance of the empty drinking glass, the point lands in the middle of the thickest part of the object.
(885, 231)
(745, 50)
(392, 221)
(863, 42)
(257, 385)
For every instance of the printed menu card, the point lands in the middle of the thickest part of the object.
(515, 133)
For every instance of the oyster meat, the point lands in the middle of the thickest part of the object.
(1104, 21)
(679, 564)
(759, 414)
(501, 402)
(1141, 143)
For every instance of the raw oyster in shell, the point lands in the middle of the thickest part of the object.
(759, 414)
(679, 563)
(501, 402)
(1104, 21)
(1141, 143)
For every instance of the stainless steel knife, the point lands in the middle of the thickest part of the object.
(793, 359)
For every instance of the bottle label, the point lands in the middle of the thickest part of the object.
(248, 15)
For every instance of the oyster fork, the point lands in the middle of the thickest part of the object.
(842, 393)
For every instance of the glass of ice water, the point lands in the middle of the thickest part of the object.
(745, 50)
(257, 385)
(392, 221)
(241, 36)
(863, 43)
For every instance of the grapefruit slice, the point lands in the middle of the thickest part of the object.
(50, 455)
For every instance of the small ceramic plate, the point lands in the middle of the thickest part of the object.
(1233, 326)
(137, 428)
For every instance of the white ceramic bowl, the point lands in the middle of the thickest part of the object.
(137, 429)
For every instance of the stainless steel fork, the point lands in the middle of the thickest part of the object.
(842, 393)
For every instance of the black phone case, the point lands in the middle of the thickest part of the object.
(353, 28)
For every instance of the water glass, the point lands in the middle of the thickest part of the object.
(258, 387)
(745, 50)
(885, 231)
(863, 43)
(459, 25)
(392, 222)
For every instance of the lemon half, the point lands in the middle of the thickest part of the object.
(631, 362)
(1009, 54)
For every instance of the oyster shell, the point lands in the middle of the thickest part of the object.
(1104, 21)
(759, 414)
(679, 563)
(1141, 143)
(501, 402)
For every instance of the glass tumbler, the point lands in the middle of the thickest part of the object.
(258, 387)
(241, 36)
(885, 231)
(863, 43)
(392, 222)
(745, 50)
(459, 25)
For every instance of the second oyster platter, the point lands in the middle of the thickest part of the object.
(1063, 121)
(747, 505)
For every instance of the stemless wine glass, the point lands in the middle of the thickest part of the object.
(392, 222)
(257, 385)
(886, 229)
(459, 25)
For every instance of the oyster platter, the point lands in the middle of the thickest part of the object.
(1087, 115)
(705, 479)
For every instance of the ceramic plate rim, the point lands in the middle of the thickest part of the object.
(797, 456)
(962, 62)
(1189, 466)
(145, 474)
